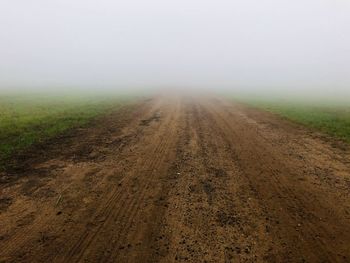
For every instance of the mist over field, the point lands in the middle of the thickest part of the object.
(281, 48)
(175, 131)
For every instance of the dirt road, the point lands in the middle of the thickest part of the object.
(179, 179)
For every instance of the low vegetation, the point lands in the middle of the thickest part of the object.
(330, 117)
(26, 119)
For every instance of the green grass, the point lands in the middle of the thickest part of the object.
(26, 119)
(329, 117)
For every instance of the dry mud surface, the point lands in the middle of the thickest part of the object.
(179, 180)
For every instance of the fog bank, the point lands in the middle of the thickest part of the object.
(252, 46)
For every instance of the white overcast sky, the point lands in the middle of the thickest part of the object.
(245, 44)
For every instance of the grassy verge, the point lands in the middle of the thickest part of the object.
(329, 117)
(26, 119)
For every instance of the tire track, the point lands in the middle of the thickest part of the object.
(290, 202)
(207, 211)
(129, 210)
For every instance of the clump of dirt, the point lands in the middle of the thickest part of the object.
(5, 202)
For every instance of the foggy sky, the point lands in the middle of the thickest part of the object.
(278, 45)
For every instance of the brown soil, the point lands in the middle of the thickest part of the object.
(179, 180)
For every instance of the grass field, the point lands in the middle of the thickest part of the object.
(26, 119)
(332, 118)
